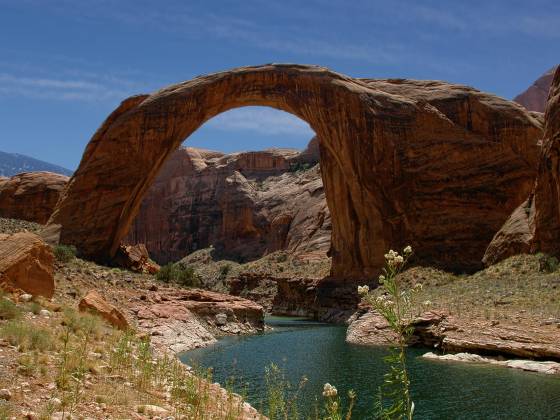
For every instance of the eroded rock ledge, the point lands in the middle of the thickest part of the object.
(449, 333)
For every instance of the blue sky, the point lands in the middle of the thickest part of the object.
(66, 64)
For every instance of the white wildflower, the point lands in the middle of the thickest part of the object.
(399, 260)
(418, 287)
(427, 303)
(381, 279)
(363, 290)
(407, 250)
(390, 256)
(329, 390)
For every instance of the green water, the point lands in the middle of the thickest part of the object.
(440, 390)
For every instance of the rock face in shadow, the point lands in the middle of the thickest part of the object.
(535, 97)
(246, 205)
(31, 196)
(535, 225)
(433, 165)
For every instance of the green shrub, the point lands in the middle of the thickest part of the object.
(180, 274)
(65, 253)
(8, 309)
(300, 166)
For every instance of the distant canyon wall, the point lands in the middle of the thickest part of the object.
(245, 205)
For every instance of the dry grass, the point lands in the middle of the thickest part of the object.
(91, 369)
(514, 288)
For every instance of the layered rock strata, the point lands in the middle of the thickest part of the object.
(31, 196)
(452, 334)
(245, 205)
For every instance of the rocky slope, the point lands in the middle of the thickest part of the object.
(37, 333)
(31, 196)
(245, 205)
(535, 97)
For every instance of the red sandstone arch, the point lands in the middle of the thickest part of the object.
(398, 168)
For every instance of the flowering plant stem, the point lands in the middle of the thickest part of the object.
(394, 401)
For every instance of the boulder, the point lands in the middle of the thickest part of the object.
(135, 258)
(94, 302)
(26, 263)
(31, 196)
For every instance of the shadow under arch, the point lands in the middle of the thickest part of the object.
(369, 140)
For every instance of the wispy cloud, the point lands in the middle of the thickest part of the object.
(261, 121)
(60, 89)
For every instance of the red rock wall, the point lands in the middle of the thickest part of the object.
(244, 204)
(31, 196)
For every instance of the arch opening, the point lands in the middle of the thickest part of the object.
(242, 205)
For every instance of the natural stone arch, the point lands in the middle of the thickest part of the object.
(379, 153)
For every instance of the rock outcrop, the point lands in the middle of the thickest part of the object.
(26, 263)
(454, 334)
(430, 164)
(548, 368)
(535, 225)
(31, 196)
(535, 97)
(245, 205)
(181, 320)
(94, 302)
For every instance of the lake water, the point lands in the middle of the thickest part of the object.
(440, 390)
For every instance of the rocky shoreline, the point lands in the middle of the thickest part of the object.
(519, 345)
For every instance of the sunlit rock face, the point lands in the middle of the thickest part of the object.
(245, 205)
(430, 164)
(31, 196)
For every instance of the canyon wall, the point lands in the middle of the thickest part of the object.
(245, 205)
(535, 225)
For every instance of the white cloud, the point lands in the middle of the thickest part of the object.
(61, 89)
(261, 120)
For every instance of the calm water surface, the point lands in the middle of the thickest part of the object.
(318, 351)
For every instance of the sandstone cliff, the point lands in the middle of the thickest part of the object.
(30, 196)
(535, 97)
(246, 205)
(535, 225)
